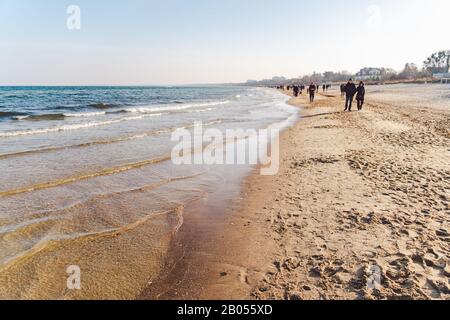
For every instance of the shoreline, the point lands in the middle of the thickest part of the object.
(205, 256)
(354, 191)
(358, 190)
(223, 258)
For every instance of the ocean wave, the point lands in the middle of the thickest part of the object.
(10, 96)
(71, 127)
(103, 106)
(105, 141)
(86, 176)
(203, 110)
(42, 117)
(8, 114)
(86, 114)
(174, 108)
(139, 110)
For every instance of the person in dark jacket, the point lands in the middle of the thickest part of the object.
(350, 91)
(342, 90)
(360, 94)
(312, 92)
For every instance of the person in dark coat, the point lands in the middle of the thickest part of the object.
(350, 91)
(342, 90)
(312, 92)
(360, 94)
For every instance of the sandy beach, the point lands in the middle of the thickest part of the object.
(355, 191)
(171, 151)
(358, 195)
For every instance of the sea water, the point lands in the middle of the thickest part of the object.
(87, 180)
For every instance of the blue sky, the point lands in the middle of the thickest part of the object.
(210, 41)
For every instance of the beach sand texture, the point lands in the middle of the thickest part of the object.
(358, 190)
(355, 191)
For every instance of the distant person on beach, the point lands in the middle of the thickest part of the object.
(296, 90)
(324, 87)
(350, 91)
(360, 94)
(312, 92)
(342, 90)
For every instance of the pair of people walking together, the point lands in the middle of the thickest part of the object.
(351, 90)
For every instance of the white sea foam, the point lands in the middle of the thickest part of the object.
(202, 110)
(144, 111)
(20, 117)
(176, 108)
(70, 127)
(87, 114)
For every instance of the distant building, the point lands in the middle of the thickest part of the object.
(279, 79)
(369, 74)
(444, 77)
(275, 81)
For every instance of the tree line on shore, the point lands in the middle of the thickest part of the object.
(436, 63)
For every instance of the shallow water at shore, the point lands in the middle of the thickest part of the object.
(98, 189)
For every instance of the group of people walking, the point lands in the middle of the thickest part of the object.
(348, 90)
(311, 90)
(298, 90)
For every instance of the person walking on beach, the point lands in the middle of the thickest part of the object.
(350, 91)
(312, 92)
(360, 94)
(324, 87)
(342, 90)
(296, 90)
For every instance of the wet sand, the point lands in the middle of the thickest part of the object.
(355, 190)
(99, 192)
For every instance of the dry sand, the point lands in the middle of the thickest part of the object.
(354, 190)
